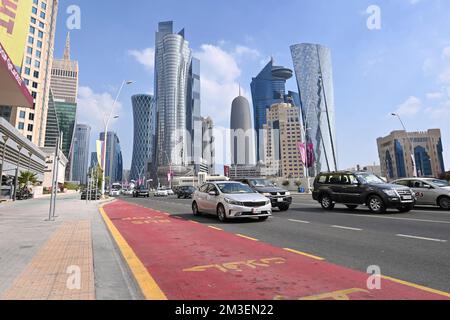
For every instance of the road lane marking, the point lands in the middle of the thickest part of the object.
(407, 219)
(215, 228)
(148, 285)
(236, 266)
(417, 286)
(304, 254)
(347, 228)
(246, 237)
(420, 238)
(299, 221)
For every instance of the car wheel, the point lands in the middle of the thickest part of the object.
(351, 207)
(195, 211)
(406, 209)
(284, 208)
(221, 213)
(444, 203)
(376, 204)
(326, 202)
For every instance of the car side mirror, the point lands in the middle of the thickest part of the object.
(213, 193)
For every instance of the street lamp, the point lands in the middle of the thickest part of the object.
(5, 140)
(19, 147)
(411, 142)
(106, 120)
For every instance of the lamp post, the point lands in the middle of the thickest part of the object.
(170, 169)
(411, 142)
(107, 119)
(5, 140)
(19, 147)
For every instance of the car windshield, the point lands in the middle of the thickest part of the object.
(234, 188)
(261, 183)
(370, 178)
(439, 183)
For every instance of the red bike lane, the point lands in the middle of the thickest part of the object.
(191, 261)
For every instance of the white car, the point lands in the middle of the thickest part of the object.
(170, 192)
(161, 193)
(114, 193)
(231, 200)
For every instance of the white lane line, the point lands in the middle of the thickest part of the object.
(347, 228)
(406, 219)
(299, 221)
(420, 238)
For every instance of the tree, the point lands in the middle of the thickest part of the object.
(26, 178)
(286, 183)
(298, 183)
(445, 176)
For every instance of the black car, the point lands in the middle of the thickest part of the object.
(93, 194)
(185, 192)
(141, 191)
(361, 188)
(280, 198)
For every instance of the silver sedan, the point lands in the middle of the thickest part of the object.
(429, 191)
(231, 200)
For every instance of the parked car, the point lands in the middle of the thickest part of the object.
(160, 192)
(128, 192)
(114, 193)
(93, 194)
(170, 192)
(141, 191)
(280, 198)
(429, 191)
(231, 200)
(361, 188)
(185, 192)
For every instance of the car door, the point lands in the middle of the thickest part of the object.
(335, 186)
(201, 197)
(351, 190)
(424, 192)
(211, 202)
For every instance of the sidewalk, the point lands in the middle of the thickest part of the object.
(72, 258)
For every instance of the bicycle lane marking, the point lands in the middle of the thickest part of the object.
(191, 261)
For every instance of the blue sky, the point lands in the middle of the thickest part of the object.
(404, 66)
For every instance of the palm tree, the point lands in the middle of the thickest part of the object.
(27, 177)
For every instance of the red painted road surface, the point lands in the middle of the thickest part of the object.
(190, 261)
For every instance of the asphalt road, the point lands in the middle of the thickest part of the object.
(414, 247)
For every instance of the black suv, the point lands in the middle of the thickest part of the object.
(279, 198)
(185, 192)
(361, 188)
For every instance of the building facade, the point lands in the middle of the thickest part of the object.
(242, 134)
(35, 70)
(395, 152)
(283, 140)
(114, 160)
(173, 59)
(269, 88)
(193, 114)
(80, 155)
(208, 161)
(314, 73)
(144, 112)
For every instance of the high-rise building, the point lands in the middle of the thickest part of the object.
(63, 101)
(313, 69)
(242, 135)
(269, 88)
(395, 152)
(283, 139)
(208, 147)
(80, 154)
(193, 114)
(35, 68)
(94, 160)
(173, 59)
(144, 113)
(114, 160)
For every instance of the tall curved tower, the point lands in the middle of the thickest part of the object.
(242, 137)
(314, 72)
(144, 128)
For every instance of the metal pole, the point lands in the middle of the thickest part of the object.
(19, 147)
(5, 140)
(87, 187)
(96, 184)
(413, 159)
(55, 164)
(59, 147)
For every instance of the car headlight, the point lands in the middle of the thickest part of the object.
(391, 192)
(288, 194)
(236, 203)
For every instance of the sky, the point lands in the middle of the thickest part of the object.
(403, 66)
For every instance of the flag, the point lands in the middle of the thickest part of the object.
(302, 150)
(99, 145)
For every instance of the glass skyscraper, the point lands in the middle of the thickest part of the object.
(80, 154)
(269, 88)
(114, 160)
(144, 112)
(193, 114)
(313, 69)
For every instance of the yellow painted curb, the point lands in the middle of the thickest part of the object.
(417, 286)
(148, 285)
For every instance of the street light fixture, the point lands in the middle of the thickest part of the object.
(411, 142)
(106, 120)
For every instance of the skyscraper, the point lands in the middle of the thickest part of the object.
(193, 114)
(114, 160)
(208, 146)
(242, 138)
(144, 132)
(269, 88)
(172, 64)
(313, 69)
(64, 90)
(35, 70)
(80, 154)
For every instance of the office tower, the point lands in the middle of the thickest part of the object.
(269, 88)
(80, 154)
(313, 69)
(193, 114)
(208, 149)
(94, 160)
(63, 101)
(35, 68)
(172, 64)
(283, 139)
(242, 138)
(114, 160)
(396, 156)
(144, 113)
